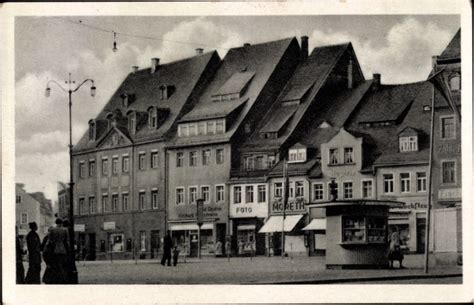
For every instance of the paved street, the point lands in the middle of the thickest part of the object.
(258, 270)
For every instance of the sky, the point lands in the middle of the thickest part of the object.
(399, 47)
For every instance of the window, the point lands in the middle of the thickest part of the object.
(367, 188)
(142, 240)
(237, 194)
(219, 193)
(249, 163)
(219, 155)
(82, 207)
(154, 199)
(192, 194)
(205, 194)
(91, 131)
(249, 194)
(299, 189)
(114, 203)
(210, 127)
(364, 230)
(82, 167)
(125, 205)
(192, 130)
(24, 218)
(142, 200)
(347, 187)
(104, 203)
(219, 126)
(201, 128)
(271, 161)
(405, 182)
(114, 166)
(152, 118)
(260, 162)
(105, 167)
(455, 83)
(408, 143)
(91, 168)
(333, 160)
(154, 159)
(447, 128)
(421, 182)
(179, 195)
(141, 160)
(336, 188)
(262, 193)
(179, 159)
(278, 189)
(449, 171)
(18, 199)
(353, 229)
(116, 242)
(125, 164)
(318, 191)
(297, 155)
(132, 122)
(348, 155)
(206, 157)
(193, 158)
(388, 183)
(92, 205)
(183, 130)
(247, 128)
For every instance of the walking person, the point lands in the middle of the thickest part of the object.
(70, 266)
(167, 246)
(48, 252)
(175, 255)
(20, 269)
(57, 247)
(33, 243)
(395, 252)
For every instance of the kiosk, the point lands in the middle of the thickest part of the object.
(356, 233)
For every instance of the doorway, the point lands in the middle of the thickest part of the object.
(420, 235)
(155, 243)
(91, 251)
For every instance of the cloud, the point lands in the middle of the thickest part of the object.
(405, 55)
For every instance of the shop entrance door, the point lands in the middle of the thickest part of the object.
(155, 243)
(420, 235)
(91, 251)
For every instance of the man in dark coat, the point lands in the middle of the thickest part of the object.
(167, 246)
(20, 270)
(33, 243)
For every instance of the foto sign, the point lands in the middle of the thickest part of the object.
(200, 211)
(109, 225)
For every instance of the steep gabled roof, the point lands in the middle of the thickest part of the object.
(144, 90)
(453, 50)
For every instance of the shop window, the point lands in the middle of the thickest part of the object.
(364, 230)
(299, 189)
(206, 157)
(192, 194)
(116, 243)
(142, 200)
(347, 188)
(91, 168)
(154, 159)
(154, 199)
(278, 189)
(388, 183)
(205, 194)
(219, 155)
(104, 203)
(262, 193)
(125, 164)
(179, 195)
(142, 241)
(237, 194)
(421, 182)
(105, 167)
(179, 159)
(448, 130)
(114, 166)
(449, 171)
(405, 182)
(333, 156)
(219, 193)
(367, 189)
(125, 204)
(318, 191)
(193, 158)
(249, 194)
(348, 155)
(141, 160)
(82, 167)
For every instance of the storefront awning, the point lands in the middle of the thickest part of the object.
(245, 227)
(274, 224)
(190, 226)
(316, 224)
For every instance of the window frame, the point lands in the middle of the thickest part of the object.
(217, 192)
(115, 169)
(441, 126)
(299, 186)
(405, 182)
(141, 160)
(82, 169)
(190, 197)
(234, 194)
(179, 192)
(278, 188)
(193, 158)
(333, 152)
(105, 166)
(392, 183)
(425, 183)
(208, 200)
(125, 163)
(92, 207)
(142, 203)
(92, 168)
(125, 203)
(259, 192)
(249, 194)
(322, 191)
(206, 159)
(180, 159)
(329, 189)
(104, 203)
(444, 161)
(26, 218)
(154, 199)
(220, 160)
(115, 203)
(344, 183)
(371, 188)
(346, 149)
(154, 162)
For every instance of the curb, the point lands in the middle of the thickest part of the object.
(360, 279)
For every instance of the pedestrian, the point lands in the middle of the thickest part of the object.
(33, 243)
(48, 253)
(20, 270)
(167, 246)
(175, 255)
(218, 250)
(227, 247)
(395, 252)
(57, 249)
(240, 246)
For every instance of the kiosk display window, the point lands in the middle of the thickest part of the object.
(364, 230)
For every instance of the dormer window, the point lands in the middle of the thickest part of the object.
(152, 117)
(110, 119)
(92, 130)
(455, 82)
(408, 143)
(125, 100)
(333, 156)
(132, 122)
(166, 91)
(296, 155)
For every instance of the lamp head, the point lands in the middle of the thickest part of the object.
(47, 92)
(93, 90)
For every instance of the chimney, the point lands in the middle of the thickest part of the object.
(134, 69)
(304, 47)
(349, 74)
(199, 51)
(155, 62)
(376, 80)
(434, 62)
(246, 44)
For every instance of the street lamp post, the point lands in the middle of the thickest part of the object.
(70, 91)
